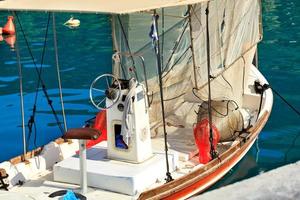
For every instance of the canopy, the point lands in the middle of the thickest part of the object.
(94, 6)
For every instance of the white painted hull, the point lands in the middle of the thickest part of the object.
(37, 173)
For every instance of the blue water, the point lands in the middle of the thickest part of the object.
(85, 52)
(279, 61)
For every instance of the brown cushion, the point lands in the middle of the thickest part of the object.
(82, 134)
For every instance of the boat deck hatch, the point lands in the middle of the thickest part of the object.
(113, 175)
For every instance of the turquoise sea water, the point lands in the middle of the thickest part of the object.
(85, 52)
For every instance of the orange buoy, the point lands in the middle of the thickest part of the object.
(9, 28)
(202, 134)
(10, 40)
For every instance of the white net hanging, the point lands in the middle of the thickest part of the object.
(233, 34)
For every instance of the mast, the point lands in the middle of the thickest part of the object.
(212, 149)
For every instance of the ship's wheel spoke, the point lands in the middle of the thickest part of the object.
(100, 102)
(113, 92)
(99, 90)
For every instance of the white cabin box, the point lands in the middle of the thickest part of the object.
(139, 147)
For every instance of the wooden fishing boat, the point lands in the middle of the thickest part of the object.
(179, 110)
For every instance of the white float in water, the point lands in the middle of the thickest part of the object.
(72, 23)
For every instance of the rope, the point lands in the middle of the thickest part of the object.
(40, 80)
(21, 96)
(213, 108)
(128, 47)
(162, 34)
(190, 7)
(176, 97)
(158, 60)
(260, 89)
(285, 101)
(31, 121)
(58, 70)
(213, 152)
(176, 46)
(175, 63)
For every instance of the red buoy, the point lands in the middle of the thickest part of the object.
(100, 124)
(10, 40)
(9, 28)
(202, 134)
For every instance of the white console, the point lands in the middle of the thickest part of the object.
(137, 147)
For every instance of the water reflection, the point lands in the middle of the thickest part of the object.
(83, 54)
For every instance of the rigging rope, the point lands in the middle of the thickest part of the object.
(285, 101)
(175, 63)
(128, 47)
(192, 44)
(31, 121)
(176, 45)
(260, 89)
(158, 60)
(21, 96)
(58, 71)
(213, 152)
(213, 108)
(162, 35)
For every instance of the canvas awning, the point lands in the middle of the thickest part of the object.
(93, 6)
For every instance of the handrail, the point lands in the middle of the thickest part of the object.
(127, 54)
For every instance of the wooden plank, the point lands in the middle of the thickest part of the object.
(28, 155)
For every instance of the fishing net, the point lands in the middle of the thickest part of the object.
(233, 35)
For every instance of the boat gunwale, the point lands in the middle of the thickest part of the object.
(179, 185)
(35, 152)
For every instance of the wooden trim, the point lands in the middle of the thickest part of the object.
(27, 156)
(200, 179)
(35, 152)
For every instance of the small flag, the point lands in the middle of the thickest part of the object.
(153, 32)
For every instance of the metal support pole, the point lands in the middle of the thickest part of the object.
(21, 96)
(58, 72)
(83, 171)
(158, 62)
(212, 149)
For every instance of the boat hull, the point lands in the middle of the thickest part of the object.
(207, 175)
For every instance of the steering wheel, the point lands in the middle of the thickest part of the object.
(112, 93)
